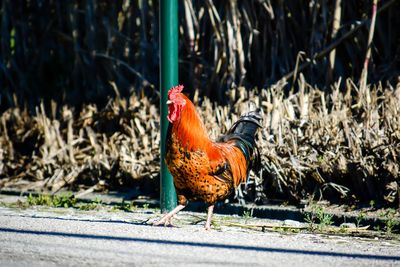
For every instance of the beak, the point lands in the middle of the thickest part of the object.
(169, 102)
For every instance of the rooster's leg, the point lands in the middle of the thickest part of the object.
(166, 220)
(209, 215)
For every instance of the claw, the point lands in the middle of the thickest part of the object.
(167, 219)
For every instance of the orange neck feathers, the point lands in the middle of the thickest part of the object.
(189, 128)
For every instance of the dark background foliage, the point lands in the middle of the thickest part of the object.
(79, 52)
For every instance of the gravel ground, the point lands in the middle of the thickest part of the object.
(69, 237)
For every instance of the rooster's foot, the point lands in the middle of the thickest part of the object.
(166, 221)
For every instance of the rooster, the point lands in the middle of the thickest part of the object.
(202, 169)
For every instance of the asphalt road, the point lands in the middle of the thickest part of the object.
(67, 237)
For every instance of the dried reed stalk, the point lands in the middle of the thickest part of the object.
(335, 27)
(364, 73)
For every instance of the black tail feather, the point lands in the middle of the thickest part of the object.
(247, 125)
(243, 131)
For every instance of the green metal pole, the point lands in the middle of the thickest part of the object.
(169, 78)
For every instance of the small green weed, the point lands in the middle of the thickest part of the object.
(40, 200)
(247, 214)
(360, 218)
(391, 221)
(124, 206)
(96, 204)
(310, 219)
(318, 219)
(324, 218)
(63, 200)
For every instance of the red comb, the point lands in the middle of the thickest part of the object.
(174, 90)
(177, 88)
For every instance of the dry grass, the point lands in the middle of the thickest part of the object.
(338, 146)
(104, 148)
